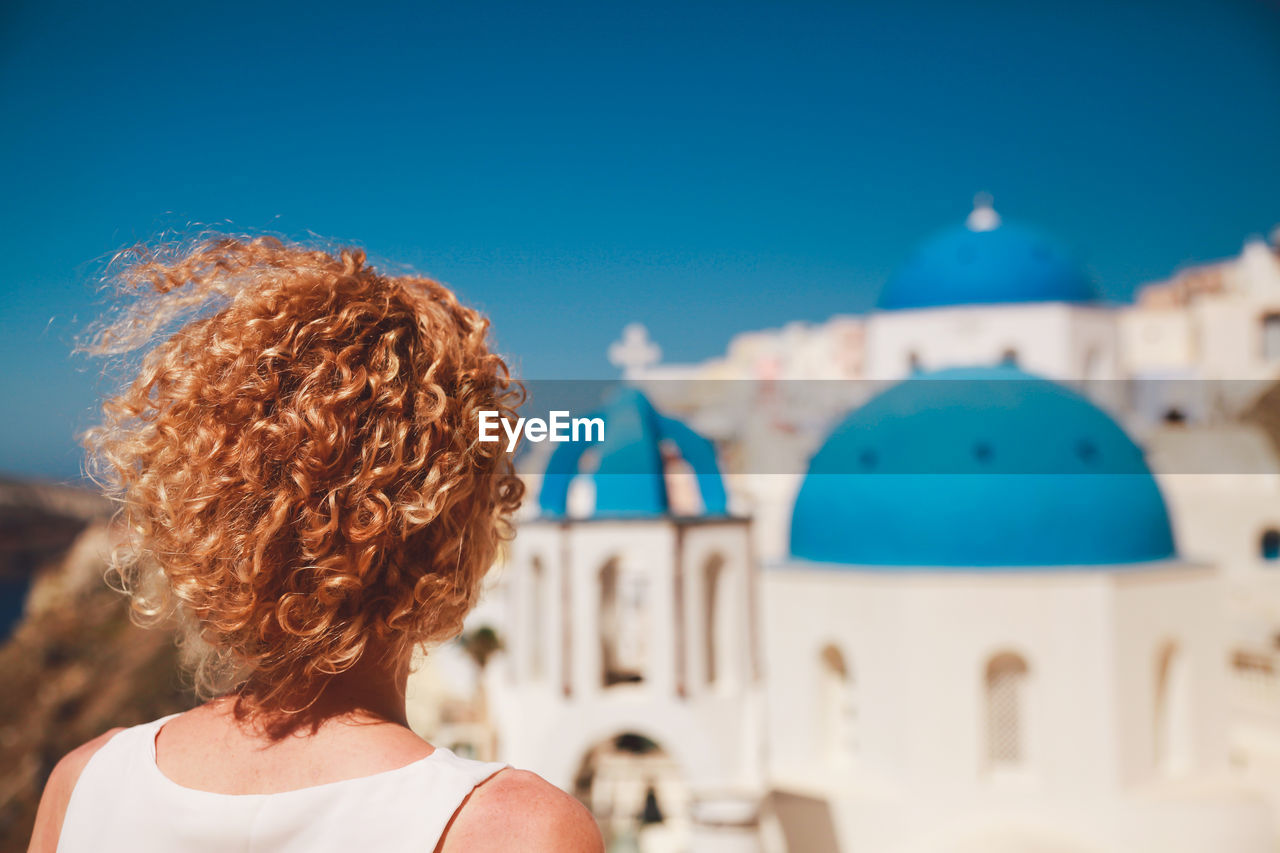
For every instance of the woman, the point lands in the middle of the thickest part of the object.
(302, 490)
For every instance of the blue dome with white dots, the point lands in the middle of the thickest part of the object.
(987, 262)
(979, 468)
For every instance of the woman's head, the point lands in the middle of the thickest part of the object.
(297, 458)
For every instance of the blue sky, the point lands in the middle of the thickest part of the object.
(703, 168)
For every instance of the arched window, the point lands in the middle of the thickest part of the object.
(712, 572)
(1006, 692)
(684, 497)
(1172, 724)
(580, 499)
(1269, 545)
(838, 712)
(622, 628)
(1271, 337)
(537, 604)
(1009, 357)
(580, 502)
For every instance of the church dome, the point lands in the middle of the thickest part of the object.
(629, 469)
(979, 467)
(986, 262)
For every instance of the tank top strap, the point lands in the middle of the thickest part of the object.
(468, 768)
(443, 781)
(125, 754)
(109, 786)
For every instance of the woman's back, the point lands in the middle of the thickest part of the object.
(124, 799)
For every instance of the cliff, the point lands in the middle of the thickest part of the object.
(74, 665)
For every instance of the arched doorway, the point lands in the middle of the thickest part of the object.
(637, 793)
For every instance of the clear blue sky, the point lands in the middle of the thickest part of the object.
(703, 168)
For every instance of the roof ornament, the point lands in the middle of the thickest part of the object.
(634, 352)
(983, 217)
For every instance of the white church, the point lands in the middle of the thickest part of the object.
(958, 611)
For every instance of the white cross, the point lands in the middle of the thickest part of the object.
(635, 351)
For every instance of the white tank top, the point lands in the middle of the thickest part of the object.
(123, 802)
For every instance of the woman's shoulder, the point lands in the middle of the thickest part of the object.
(518, 810)
(57, 792)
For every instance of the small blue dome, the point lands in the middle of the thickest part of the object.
(629, 479)
(1005, 263)
(986, 467)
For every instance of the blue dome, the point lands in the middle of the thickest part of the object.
(629, 479)
(1007, 263)
(986, 467)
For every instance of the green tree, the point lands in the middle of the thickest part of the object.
(481, 644)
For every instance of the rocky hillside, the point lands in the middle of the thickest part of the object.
(73, 665)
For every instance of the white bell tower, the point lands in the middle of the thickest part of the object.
(638, 626)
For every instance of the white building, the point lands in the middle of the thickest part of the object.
(982, 639)
(943, 612)
(1219, 321)
(984, 624)
(988, 292)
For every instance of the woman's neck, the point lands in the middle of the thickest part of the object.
(371, 692)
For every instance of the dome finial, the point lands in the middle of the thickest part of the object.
(983, 217)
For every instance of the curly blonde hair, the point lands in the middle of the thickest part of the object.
(297, 462)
